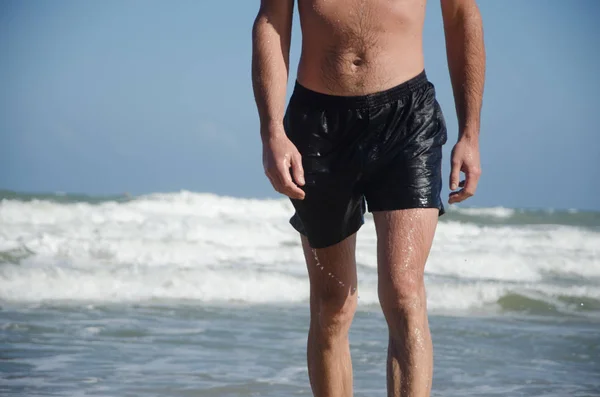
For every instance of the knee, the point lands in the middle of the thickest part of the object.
(334, 312)
(403, 296)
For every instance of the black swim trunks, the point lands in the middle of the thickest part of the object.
(383, 148)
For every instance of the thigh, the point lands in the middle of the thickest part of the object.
(404, 239)
(331, 270)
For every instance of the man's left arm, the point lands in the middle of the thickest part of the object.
(465, 49)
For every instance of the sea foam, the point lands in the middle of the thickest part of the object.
(210, 248)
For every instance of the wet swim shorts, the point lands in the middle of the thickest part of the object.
(380, 150)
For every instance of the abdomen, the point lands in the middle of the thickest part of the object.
(355, 47)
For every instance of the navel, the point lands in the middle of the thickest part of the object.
(358, 61)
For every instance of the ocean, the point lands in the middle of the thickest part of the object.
(189, 294)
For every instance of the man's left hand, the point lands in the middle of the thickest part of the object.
(465, 158)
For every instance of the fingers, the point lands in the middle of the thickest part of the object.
(457, 197)
(472, 179)
(455, 174)
(469, 186)
(297, 169)
(281, 179)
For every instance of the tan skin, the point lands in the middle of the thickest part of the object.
(357, 47)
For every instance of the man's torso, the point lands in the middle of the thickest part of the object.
(357, 47)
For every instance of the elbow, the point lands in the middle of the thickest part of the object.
(258, 23)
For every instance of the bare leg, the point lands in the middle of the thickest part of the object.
(403, 242)
(332, 274)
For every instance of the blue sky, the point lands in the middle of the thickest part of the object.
(144, 96)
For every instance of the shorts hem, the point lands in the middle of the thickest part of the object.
(317, 243)
(407, 206)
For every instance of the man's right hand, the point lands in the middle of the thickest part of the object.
(279, 156)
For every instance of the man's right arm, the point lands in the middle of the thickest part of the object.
(271, 37)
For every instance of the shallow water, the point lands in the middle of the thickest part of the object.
(183, 349)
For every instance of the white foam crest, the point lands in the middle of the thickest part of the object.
(134, 284)
(244, 285)
(452, 296)
(179, 229)
(494, 212)
(204, 205)
(206, 247)
(507, 253)
(520, 253)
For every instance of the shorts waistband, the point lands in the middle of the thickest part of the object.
(308, 96)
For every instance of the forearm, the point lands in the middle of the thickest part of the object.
(466, 63)
(270, 65)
